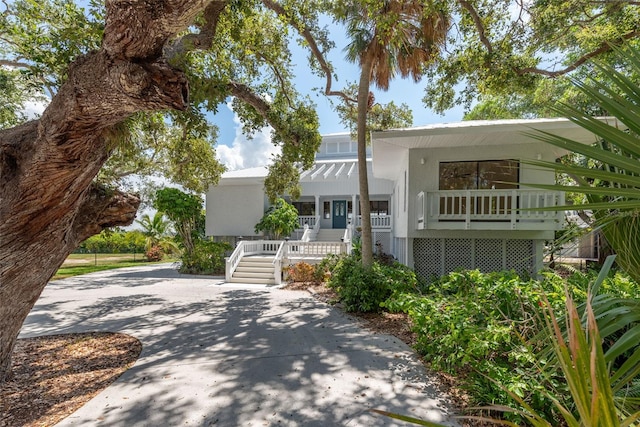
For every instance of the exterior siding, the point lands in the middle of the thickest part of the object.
(234, 210)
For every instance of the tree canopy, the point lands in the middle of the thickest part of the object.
(498, 48)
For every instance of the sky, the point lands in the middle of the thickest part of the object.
(238, 152)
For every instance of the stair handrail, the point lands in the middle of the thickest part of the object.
(277, 263)
(306, 236)
(316, 229)
(231, 262)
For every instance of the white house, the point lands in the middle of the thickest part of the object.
(443, 197)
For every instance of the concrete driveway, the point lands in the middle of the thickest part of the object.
(241, 355)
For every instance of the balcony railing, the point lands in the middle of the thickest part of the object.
(489, 210)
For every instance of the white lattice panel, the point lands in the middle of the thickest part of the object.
(427, 257)
(520, 256)
(489, 255)
(458, 254)
(435, 257)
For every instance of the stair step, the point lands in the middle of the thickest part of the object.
(265, 270)
(250, 280)
(242, 273)
(247, 264)
(258, 258)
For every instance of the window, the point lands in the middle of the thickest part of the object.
(305, 208)
(379, 207)
(327, 209)
(478, 175)
(483, 175)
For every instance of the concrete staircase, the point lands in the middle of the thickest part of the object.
(330, 235)
(258, 269)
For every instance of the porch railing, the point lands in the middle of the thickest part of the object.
(302, 250)
(489, 209)
(377, 221)
(309, 220)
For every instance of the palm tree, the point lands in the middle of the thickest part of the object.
(157, 233)
(610, 176)
(397, 36)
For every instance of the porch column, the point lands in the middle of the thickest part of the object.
(317, 205)
(354, 211)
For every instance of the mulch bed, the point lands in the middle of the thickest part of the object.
(55, 375)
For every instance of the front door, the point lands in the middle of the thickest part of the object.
(339, 214)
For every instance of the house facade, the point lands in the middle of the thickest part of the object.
(443, 196)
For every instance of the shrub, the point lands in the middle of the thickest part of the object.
(364, 290)
(325, 268)
(207, 258)
(155, 253)
(475, 325)
(301, 272)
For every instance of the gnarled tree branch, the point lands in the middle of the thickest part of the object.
(313, 46)
(604, 47)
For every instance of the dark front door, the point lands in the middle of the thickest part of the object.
(339, 214)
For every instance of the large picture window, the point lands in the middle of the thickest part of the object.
(480, 175)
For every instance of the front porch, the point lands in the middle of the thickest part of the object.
(489, 210)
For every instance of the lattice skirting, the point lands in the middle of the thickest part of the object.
(437, 257)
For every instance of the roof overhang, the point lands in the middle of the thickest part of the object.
(389, 145)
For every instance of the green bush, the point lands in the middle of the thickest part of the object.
(476, 326)
(484, 328)
(207, 258)
(324, 269)
(364, 290)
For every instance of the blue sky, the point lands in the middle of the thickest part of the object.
(237, 152)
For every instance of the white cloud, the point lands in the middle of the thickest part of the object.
(34, 108)
(247, 153)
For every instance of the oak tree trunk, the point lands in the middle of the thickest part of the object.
(48, 201)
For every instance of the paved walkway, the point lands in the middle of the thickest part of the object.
(216, 354)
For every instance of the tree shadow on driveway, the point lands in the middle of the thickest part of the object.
(239, 356)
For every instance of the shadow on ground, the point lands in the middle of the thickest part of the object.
(235, 356)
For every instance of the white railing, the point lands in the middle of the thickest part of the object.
(283, 250)
(490, 209)
(277, 263)
(249, 247)
(315, 250)
(306, 236)
(377, 221)
(346, 236)
(309, 220)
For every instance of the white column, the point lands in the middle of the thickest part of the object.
(318, 213)
(354, 210)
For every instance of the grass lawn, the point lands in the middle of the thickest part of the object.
(77, 264)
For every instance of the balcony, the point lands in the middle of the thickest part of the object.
(489, 210)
